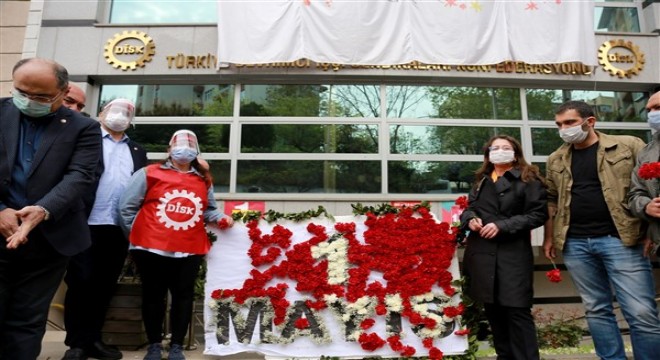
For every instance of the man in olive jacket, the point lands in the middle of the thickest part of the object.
(588, 180)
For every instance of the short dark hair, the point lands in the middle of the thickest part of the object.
(61, 74)
(585, 110)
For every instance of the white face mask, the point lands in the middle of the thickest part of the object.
(501, 156)
(574, 134)
(117, 122)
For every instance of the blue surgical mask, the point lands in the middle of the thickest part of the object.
(29, 107)
(654, 120)
(183, 155)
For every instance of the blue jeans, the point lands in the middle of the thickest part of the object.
(599, 264)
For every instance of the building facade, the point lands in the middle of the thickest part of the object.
(292, 136)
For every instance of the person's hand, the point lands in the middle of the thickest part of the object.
(225, 222)
(549, 249)
(652, 209)
(475, 224)
(489, 231)
(8, 222)
(647, 247)
(30, 217)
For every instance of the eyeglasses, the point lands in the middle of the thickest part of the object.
(38, 98)
(495, 148)
(68, 100)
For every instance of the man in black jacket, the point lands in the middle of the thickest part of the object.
(48, 157)
(92, 275)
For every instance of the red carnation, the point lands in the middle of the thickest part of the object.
(435, 354)
(649, 171)
(215, 294)
(367, 323)
(462, 332)
(462, 202)
(371, 342)
(301, 323)
(553, 275)
(381, 309)
(223, 224)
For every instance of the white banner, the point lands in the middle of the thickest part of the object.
(354, 287)
(382, 32)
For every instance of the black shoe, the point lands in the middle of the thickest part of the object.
(75, 354)
(102, 351)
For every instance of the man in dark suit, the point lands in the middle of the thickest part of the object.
(48, 159)
(92, 275)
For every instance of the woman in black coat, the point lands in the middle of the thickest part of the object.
(506, 203)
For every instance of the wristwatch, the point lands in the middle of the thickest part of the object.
(46, 212)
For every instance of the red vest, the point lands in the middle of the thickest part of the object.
(172, 215)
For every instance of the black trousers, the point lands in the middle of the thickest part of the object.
(514, 332)
(159, 274)
(29, 278)
(91, 280)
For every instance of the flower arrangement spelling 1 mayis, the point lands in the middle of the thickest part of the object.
(407, 246)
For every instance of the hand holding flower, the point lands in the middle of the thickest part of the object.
(225, 223)
(653, 208)
(554, 275)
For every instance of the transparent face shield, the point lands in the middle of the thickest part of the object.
(120, 108)
(184, 139)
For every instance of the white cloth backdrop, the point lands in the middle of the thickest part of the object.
(382, 32)
(228, 267)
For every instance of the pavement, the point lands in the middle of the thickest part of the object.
(53, 348)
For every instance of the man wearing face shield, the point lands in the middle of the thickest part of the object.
(602, 242)
(48, 156)
(92, 275)
(164, 210)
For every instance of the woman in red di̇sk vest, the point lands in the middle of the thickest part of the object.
(164, 209)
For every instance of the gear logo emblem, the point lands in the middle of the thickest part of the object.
(179, 210)
(610, 59)
(129, 44)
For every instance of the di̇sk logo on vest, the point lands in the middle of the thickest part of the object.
(179, 210)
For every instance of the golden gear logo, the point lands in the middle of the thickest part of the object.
(634, 56)
(114, 47)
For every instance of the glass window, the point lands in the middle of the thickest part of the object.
(163, 12)
(308, 176)
(156, 138)
(616, 19)
(545, 140)
(466, 140)
(621, 106)
(310, 100)
(220, 170)
(296, 138)
(174, 100)
(453, 102)
(431, 177)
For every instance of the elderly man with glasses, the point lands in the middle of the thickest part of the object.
(48, 160)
